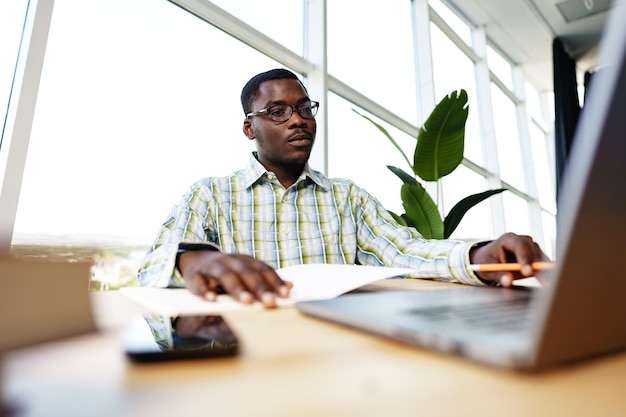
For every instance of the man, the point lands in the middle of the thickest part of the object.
(230, 233)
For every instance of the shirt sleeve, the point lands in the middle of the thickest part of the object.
(382, 241)
(161, 328)
(186, 224)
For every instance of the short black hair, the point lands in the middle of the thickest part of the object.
(250, 90)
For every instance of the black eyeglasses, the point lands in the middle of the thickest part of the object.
(282, 112)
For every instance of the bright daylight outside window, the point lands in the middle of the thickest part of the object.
(126, 120)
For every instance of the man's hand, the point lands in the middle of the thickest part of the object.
(241, 276)
(509, 248)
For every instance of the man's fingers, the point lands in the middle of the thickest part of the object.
(241, 276)
(247, 279)
(210, 296)
(236, 286)
(261, 280)
(197, 284)
(279, 286)
(525, 251)
(509, 248)
(268, 299)
(506, 280)
(256, 283)
(526, 269)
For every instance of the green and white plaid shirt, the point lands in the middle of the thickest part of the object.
(316, 220)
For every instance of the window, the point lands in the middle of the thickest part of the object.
(543, 151)
(453, 70)
(11, 23)
(371, 50)
(359, 151)
(456, 23)
(281, 20)
(507, 137)
(476, 224)
(500, 67)
(125, 123)
(127, 119)
(516, 214)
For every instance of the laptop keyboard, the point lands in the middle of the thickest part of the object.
(509, 315)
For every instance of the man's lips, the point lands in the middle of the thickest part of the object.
(300, 139)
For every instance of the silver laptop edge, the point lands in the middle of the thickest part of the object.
(579, 314)
(588, 295)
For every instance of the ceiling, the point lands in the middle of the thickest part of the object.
(524, 31)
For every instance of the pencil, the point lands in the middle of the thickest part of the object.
(537, 266)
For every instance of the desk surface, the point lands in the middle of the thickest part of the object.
(293, 365)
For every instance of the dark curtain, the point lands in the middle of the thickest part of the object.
(567, 108)
(588, 78)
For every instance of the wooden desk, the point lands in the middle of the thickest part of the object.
(293, 365)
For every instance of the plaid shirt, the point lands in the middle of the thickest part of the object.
(316, 220)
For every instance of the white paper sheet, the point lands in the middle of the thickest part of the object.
(310, 282)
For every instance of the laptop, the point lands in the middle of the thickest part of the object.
(581, 313)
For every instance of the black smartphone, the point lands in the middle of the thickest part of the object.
(160, 338)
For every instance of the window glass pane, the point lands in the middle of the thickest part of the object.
(581, 95)
(127, 119)
(533, 105)
(11, 21)
(549, 234)
(477, 223)
(544, 173)
(458, 25)
(499, 66)
(507, 138)
(516, 217)
(548, 101)
(371, 50)
(359, 151)
(453, 70)
(281, 20)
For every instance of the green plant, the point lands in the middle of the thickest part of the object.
(438, 152)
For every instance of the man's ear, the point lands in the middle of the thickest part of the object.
(248, 129)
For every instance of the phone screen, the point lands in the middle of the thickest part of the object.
(158, 338)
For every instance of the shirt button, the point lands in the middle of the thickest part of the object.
(285, 232)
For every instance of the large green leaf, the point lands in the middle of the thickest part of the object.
(421, 211)
(406, 178)
(440, 141)
(401, 220)
(438, 152)
(458, 211)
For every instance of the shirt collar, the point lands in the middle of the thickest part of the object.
(255, 171)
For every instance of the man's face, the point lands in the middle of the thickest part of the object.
(281, 145)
